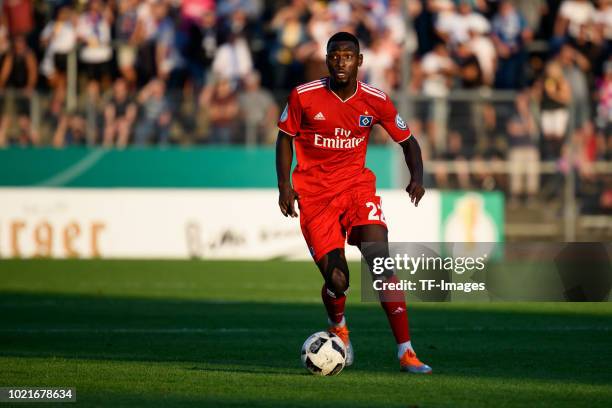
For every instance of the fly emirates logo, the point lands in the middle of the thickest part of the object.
(342, 140)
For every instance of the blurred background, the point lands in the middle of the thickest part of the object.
(509, 99)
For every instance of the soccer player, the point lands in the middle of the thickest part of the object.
(329, 122)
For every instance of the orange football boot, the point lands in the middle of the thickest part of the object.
(343, 333)
(410, 363)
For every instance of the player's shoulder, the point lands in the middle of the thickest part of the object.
(311, 87)
(309, 93)
(372, 92)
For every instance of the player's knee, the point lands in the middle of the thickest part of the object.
(336, 273)
(338, 281)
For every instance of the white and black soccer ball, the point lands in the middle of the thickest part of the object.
(324, 353)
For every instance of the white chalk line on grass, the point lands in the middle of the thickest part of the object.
(234, 330)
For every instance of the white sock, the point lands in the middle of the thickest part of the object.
(342, 322)
(403, 347)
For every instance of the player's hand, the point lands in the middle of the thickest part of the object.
(415, 191)
(286, 201)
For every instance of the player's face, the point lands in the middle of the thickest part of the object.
(343, 61)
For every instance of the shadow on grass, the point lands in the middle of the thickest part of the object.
(265, 338)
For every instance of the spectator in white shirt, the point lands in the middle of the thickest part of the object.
(484, 50)
(454, 26)
(233, 60)
(438, 69)
(94, 33)
(59, 37)
(575, 19)
(378, 62)
(603, 21)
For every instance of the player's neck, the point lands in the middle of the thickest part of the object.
(344, 91)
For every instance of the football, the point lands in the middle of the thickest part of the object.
(323, 353)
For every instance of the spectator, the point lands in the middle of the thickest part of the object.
(312, 53)
(603, 27)
(378, 64)
(59, 38)
(593, 189)
(19, 15)
(364, 23)
(393, 20)
(575, 19)
(5, 44)
(155, 119)
(438, 69)
(341, 10)
(604, 105)
(463, 115)
(71, 130)
(510, 34)
(94, 33)
(555, 96)
(422, 16)
(193, 10)
(469, 71)
(253, 8)
(523, 153)
(453, 27)
(143, 38)
(574, 64)
(119, 115)
(233, 60)
(483, 48)
(125, 27)
(531, 10)
(223, 110)
(289, 32)
(258, 110)
(251, 30)
(202, 47)
(18, 75)
(457, 154)
(168, 59)
(603, 21)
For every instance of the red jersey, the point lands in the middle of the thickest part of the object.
(331, 135)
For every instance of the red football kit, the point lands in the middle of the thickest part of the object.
(337, 192)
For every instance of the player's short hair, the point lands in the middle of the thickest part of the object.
(343, 36)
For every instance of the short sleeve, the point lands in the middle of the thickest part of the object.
(290, 120)
(393, 122)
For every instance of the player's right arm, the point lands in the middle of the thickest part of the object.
(284, 157)
(289, 126)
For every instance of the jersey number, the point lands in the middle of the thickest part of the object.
(376, 213)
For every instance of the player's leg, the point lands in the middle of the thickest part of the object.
(325, 238)
(373, 243)
(335, 272)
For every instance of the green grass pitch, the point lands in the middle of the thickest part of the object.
(180, 333)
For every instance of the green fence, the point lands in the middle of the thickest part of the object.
(202, 167)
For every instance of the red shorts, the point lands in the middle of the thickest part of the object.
(326, 223)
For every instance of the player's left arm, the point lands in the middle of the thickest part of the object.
(414, 161)
(400, 133)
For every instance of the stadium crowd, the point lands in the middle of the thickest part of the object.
(205, 71)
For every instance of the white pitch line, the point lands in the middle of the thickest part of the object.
(231, 330)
